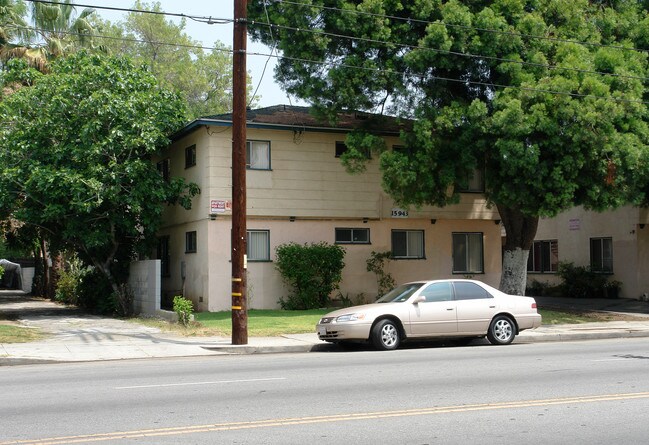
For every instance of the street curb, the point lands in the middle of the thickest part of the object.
(247, 349)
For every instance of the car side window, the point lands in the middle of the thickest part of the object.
(470, 291)
(438, 292)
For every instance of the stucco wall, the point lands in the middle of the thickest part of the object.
(574, 229)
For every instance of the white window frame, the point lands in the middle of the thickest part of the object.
(258, 245)
(257, 155)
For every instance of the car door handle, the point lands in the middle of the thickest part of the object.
(492, 307)
(449, 309)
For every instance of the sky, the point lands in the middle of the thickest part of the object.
(269, 91)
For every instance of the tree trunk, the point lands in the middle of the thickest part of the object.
(520, 230)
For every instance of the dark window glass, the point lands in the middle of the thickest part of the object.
(190, 242)
(601, 255)
(190, 156)
(469, 291)
(352, 236)
(438, 292)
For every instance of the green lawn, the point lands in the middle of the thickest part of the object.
(15, 334)
(265, 323)
(269, 323)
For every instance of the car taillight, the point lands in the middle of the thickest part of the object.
(533, 305)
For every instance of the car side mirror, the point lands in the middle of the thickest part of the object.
(419, 299)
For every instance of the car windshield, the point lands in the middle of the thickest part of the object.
(400, 293)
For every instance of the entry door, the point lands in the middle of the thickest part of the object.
(436, 315)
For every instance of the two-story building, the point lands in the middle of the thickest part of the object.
(614, 243)
(298, 191)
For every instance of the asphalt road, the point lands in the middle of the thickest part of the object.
(587, 392)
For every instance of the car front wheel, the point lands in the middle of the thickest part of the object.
(385, 335)
(501, 331)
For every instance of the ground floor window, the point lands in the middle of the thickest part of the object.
(258, 248)
(544, 257)
(468, 253)
(190, 242)
(352, 236)
(408, 244)
(601, 255)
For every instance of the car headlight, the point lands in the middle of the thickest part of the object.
(350, 317)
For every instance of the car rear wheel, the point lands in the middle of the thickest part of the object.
(385, 335)
(501, 331)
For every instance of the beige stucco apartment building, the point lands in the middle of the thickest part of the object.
(615, 243)
(298, 191)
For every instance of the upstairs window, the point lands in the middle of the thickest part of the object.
(190, 156)
(341, 148)
(164, 169)
(258, 155)
(473, 183)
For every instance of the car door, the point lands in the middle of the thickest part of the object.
(475, 307)
(436, 315)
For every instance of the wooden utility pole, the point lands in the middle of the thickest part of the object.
(239, 235)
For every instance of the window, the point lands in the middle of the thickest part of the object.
(403, 149)
(470, 291)
(438, 292)
(163, 256)
(467, 253)
(474, 183)
(258, 246)
(164, 169)
(341, 148)
(352, 236)
(408, 244)
(601, 255)
(190, 156)
(190, 242)
(544, 257)
(258, 155)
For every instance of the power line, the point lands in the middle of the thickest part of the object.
(203, 19)
(441, 51)
(452, 25)
(348, 66)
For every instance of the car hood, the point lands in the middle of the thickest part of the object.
(365, 308)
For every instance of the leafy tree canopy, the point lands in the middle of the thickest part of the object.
(202, 76)
(548, 96)
(75, 157)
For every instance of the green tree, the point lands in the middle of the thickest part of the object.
(547, 96)
(75, 159)
(202, 77)
(56, 30)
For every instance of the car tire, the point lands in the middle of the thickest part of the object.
(502, 330)
(386, 335)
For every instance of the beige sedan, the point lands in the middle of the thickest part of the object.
(461, 309)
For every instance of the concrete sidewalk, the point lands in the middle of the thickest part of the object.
(74, 336)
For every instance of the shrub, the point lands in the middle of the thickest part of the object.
(580, 281)
(70, 277)
(377, 263)
(312, 271)
(124, 300)
(2, 272)
(183, 308)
